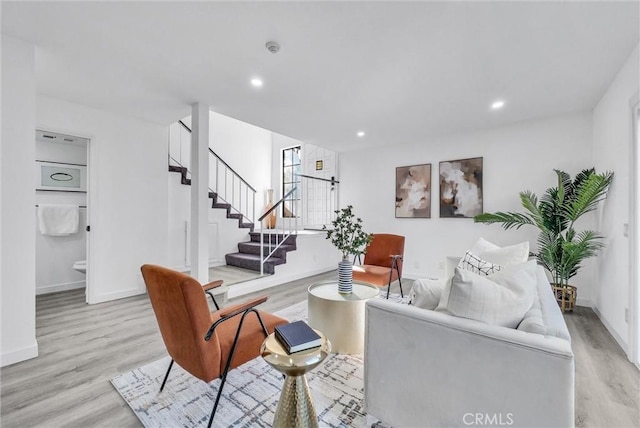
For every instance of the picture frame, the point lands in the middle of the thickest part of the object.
(413, 191)
(61, 177)
(461, 192)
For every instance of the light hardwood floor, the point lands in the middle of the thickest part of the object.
(83, 346)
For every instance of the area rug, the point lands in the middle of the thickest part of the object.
(250, 395)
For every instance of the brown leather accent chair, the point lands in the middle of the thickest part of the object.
(382, 262)
(206, 344)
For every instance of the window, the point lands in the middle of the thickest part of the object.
(291, 170)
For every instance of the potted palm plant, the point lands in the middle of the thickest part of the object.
(561, 249)
(348, 237)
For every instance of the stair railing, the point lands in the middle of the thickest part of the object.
(232, 189)
(319, 201)
(229, 186)
(277, 237)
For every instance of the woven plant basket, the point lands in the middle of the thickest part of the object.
(565, 296)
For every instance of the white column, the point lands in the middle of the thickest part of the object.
(200, 192)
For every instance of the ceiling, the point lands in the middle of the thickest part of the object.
(400, 72)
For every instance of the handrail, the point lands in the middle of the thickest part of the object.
(232, 170)
(184, 126)
(332, 181)
(221, 160)
(281, 201)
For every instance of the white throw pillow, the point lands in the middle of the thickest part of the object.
(503, 256)
(426, 293)
(499, 299)
(477, 265)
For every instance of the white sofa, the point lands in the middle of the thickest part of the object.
(429, 369)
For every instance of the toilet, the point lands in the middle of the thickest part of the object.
(80, 266)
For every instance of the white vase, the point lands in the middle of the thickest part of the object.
(345, 277)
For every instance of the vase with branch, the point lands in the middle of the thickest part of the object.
(347, 236)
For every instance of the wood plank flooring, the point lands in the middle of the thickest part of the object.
(83, 346)
(231, 274)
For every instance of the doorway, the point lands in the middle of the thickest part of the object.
(62, 212)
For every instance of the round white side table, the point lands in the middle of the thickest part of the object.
(340, 316)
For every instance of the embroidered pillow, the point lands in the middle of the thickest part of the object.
(475, 264)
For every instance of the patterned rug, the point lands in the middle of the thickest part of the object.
(250, 395)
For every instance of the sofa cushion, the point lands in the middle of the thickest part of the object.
(478, 265)
(533, 321)
(551, 314)
(499, 299)
(426, 293)
(503, 256)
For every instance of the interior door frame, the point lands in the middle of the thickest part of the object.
(91, 187)
(633, 349)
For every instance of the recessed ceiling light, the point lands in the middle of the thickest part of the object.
(497, 105)
(360, 134)
(256, 82)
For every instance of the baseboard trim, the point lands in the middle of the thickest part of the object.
(54, 288)
(116, 295)
(265, 282)
(612, 332)
(187, 268)
(584, 302)
(18, 355)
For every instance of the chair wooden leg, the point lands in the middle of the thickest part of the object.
(399, 281)
(167, 375)
(389, 285)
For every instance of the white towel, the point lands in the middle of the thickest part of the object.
(58, 220)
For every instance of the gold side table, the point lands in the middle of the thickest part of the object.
(295, 408)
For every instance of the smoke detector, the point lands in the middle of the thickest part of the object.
(273, 47)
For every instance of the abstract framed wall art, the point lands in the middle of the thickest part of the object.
(413, 191)
(61, 177)
(461, 188)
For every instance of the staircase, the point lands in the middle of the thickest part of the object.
(214, 197)
(248, 256)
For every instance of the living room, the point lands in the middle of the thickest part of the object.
(421, 92)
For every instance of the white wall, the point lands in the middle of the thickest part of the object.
(612, 136)
(247, 149)
(17, 299)
(515, 158)
(128, 193)
(55, 255)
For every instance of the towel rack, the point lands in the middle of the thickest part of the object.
(79, 206)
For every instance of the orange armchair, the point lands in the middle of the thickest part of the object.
(206, 344)
(382, 262)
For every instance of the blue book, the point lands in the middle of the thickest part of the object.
(297, 336)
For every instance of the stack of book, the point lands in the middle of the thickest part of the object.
(297, 336)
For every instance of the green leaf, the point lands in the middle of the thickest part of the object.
(508, 220)
(561, 249)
